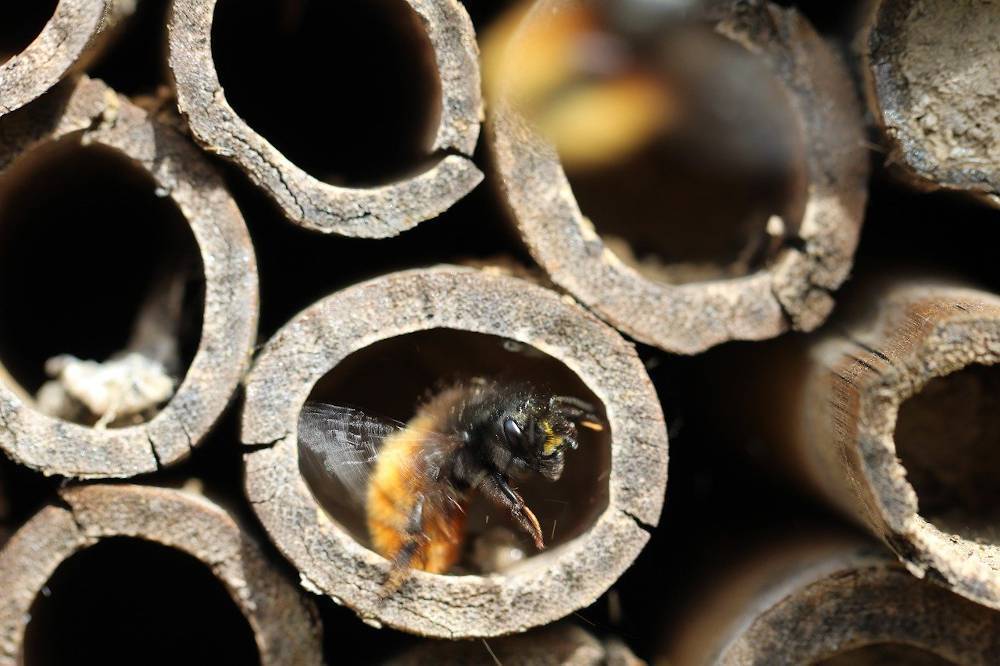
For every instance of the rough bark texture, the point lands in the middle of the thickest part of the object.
(546, 587)
(556, 645)
(90, 110)
(374, 212)
(806, 601)
(283, 621)
(794, 291)
(72, 37)
(833, 407)
(929, 68)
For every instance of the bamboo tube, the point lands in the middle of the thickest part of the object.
(283, 621)
(829, 600)
(612, 488)
(929, 71)
(890, 416)
(556, 645)
(71, 38)
(87, 113)
(817, 237)
(373, 212)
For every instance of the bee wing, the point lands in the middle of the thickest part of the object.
(343, 443)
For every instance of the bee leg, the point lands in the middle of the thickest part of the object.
(413, 538)
(496, 488)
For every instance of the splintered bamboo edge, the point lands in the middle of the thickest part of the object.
(375, 212)
(548, 586)
(90, 110)
(810, 599)
(853, 383)
(74, 34)
(794, 291)
(928, 99)
(284, 622)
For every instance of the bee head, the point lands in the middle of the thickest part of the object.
(540, 431)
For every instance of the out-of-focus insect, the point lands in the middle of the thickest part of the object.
(415, 480)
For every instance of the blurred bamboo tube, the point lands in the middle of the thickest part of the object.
(372, 212)
(450, 302)
(929, 70)
(829, 600)
(556, 645)
(69, 40)
(890, 415)
(89, 113)
(817, 235)
(283, 621)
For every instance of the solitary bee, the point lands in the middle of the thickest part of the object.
(415, 480)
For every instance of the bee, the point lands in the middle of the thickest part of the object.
(416, 479)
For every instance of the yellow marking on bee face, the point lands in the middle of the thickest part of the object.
(552, 440)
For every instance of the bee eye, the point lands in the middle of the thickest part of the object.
(512, 431)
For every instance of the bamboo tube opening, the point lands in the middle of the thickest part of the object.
(389, 142)
(929, 68)
(116, 569)
(796, 223)
(385, 340)
(23, 21)
(885, 654)
(95, 146)
(421, 363)
(266, 54)
(946, 438)
(661, 210)
(125, 600)
(75, 219)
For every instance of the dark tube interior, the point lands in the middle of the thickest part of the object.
(128, 601)
(886, 654)
(85, 243)
(22, 22)
(391, 378)
(347, 90)
(694, 203)
(947, 438)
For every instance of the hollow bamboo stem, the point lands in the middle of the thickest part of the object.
(930, 84)
(72, 37)
(541, 589)
(794, 290)
(283, 621)
(373, 212)
(88, 112)
(822, 599)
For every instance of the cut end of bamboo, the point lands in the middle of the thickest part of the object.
(145, 391)
(652, 273)
(831, 600)
(930, 73)
(65, 550)
(464, 323)
(262, 124)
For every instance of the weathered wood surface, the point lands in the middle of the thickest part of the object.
(546, 587)
(930, 74)
(283, 621)
(816, 598)
(88, 111)
(794, 291)
(374, 212)
(833, 409)
(72, 37)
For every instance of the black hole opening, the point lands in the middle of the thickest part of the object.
(886, 654)
(694, 203)
(347, 90)
(946, 438)
(127, 601)
(391, 378)
(22, 22)
(86, 245)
